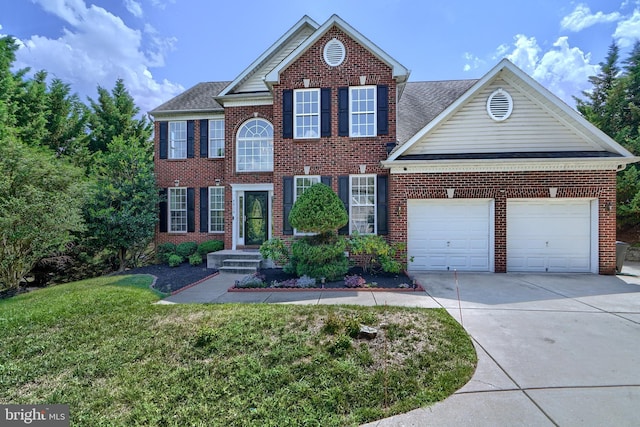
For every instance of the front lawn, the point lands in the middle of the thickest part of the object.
(102, 347)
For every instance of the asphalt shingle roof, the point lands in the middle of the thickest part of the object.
(198, 98)
(421, 102)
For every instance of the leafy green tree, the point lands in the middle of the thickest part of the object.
(66, 122)
(114, 114)
(40, 208)
(8, 84)
(121, 214)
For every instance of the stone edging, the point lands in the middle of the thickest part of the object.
(418, 288)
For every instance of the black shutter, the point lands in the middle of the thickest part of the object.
(287, 204)
(163, 214)
(287, 113)
(383, 110)
(204, 138)
(164, 140)
(326, 180)
(343, 111)
(191, 210)
(325, 111)
(382, 186)
(190, 138)
(343, 194)
(204, 209)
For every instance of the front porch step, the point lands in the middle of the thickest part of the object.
(239, 261)
(237, 270)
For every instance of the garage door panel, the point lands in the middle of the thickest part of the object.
(449, 234)
(549, 235)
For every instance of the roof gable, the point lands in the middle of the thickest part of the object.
(399, 72)
(199, 98)
(251, 79)
(540, 123)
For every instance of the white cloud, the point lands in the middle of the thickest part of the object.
(628, 30)
(563, 69)
(134, 8)
(97, 48)
(582, 18)
(473, 62)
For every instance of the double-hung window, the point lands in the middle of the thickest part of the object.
(363, 204)
(216, 138)
(307, 113)
(177, 210)
(301, 184)
(178, 140)
(362, 117)
(216, 209)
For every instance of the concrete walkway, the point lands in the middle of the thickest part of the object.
(553, 349)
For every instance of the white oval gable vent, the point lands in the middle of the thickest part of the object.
(334, 52)
(499, 105)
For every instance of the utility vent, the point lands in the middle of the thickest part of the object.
(499, 105)
(334, 52)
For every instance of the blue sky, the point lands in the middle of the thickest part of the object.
(162, 47)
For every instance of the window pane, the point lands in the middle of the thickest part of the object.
(363, 204)
(178, 209)
(307, 113)
(178, 140)
(216, 138)
(216, 209)
(255, 146)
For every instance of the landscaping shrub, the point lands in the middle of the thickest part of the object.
(318, 210)
(210, 246)
(354, 281)
(251, 281)
(175, 260)
(186, 249)
(320, 260)
(195, 259)
(376, 253)
(276, 250)
(164, 251)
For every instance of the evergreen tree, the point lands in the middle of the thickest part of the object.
(114, 114)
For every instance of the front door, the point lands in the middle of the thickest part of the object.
(256, 217)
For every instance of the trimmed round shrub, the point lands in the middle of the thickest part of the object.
(195, 259)
(164, 251)
(318, 210)
(186, 249)
(316, 260)
(209, 246)
(276, 250)
(175, 260)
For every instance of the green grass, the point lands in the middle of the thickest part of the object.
(102, 347)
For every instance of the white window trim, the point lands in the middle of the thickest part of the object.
(172, 150)
(295, 197)
(172, 191)
(210, 139)
(296, 114)
(255, 139)
(221, 189)
(375, 111)
(375, 202)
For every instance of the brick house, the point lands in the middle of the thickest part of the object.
(495, 174)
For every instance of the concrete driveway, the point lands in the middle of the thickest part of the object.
(553, 349)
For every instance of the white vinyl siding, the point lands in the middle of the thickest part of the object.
(216, 209)
(178, 140)
(362, 111)
(177, 210)
(306, 113)
(216, 138)
(255, 147)
(255, 82)
(362, 215)
(530, 128)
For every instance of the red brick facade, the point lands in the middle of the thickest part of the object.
(336, 156)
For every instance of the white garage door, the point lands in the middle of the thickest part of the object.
(550, 235)
(449, 234)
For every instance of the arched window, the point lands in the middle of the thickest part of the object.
(255, 146)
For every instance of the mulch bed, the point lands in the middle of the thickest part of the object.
(172, 279)
(379, 282)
